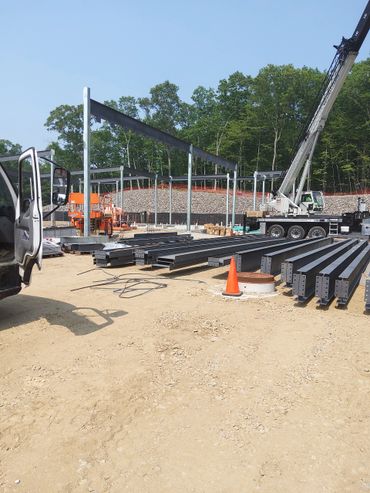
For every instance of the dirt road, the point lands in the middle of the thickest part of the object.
(165, 387)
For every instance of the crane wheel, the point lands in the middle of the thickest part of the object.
(316, 232)
(296, 232)
(276, 231)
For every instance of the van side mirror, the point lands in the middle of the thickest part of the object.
(61, 186)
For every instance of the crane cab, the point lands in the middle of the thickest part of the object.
(312, 201)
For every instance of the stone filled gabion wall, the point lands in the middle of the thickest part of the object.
(212, 202)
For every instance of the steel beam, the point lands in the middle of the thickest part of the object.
(349, 279)
(150, 255)
(290, 266)
(225, 260)
(367, 294)
(250, 260)
(304, 279)
(325, 280)
(194, 257)
(271, 262)
(103, 112)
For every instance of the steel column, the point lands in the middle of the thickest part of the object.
(121, 179)
(235, 182)
(227, 198)
(254, 190)
(52, 216)
(263, 189)
(190, 170)
(155, 200)
(86, 158)
(170, 200)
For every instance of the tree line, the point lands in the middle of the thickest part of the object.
(254, 121)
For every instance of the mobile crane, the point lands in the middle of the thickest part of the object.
(297, 209)
(21, 218)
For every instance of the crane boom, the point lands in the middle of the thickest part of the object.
(343, 61)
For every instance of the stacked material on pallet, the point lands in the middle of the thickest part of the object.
(215, 229)
(50, 249)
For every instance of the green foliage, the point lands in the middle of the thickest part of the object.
(9, 148)
(254, 121)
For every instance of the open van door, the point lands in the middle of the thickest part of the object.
(28, 215)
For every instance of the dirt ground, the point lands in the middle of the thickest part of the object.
(166, 387)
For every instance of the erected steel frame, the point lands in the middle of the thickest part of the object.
(102, 112)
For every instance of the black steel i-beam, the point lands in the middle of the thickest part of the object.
(290, 266)
(225, 260)
(304, 279)
(194, 257)
(271, 262)
(150, 255)
(250, 260)
(349, 279)
(367, 294)
(325, 280)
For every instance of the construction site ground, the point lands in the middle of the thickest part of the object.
(166, 386)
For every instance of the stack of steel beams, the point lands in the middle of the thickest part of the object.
(349, 279)
(304, 280)
(250, 259)
(258, 241)
(151, 255)
(114, 257)
(291, 265)
(326, 279)
(200, 252)
(82, 247)
(271, 262)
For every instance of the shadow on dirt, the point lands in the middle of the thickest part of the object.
(81, 320)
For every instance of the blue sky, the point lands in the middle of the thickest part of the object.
(49, 50)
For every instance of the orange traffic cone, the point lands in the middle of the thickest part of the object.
(232, 285)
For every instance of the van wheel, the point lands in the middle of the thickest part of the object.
(296, 232)
(276, 231)
(316, 232)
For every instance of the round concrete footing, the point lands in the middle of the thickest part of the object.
(256, 282)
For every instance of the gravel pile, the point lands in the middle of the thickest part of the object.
(215, 202)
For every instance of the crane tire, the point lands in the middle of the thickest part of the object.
(296, 232)
(276, 231)
(316, 232)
